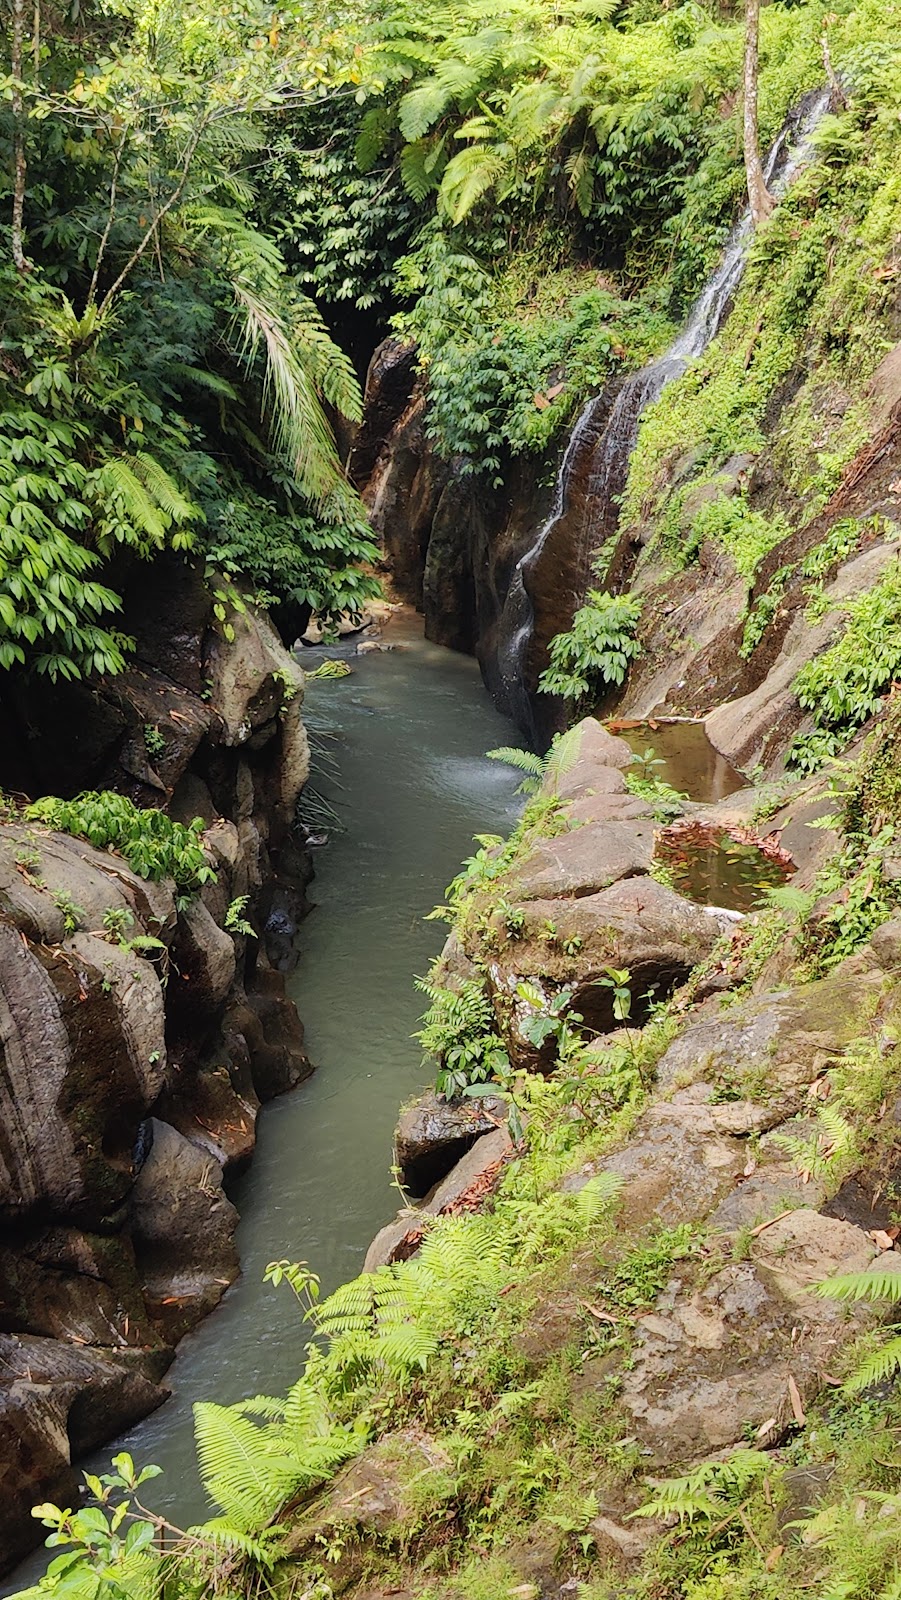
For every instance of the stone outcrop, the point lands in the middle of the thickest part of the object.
(132, 1076)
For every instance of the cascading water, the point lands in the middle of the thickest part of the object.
(603, 439)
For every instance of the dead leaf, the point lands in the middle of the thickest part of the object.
(882, 1239)
(595, 1311)
(749, 1167)
(541, 401)
(765, 1428)
(797, 1405)
(774, 1557)
(764, 1225)
(555, 389)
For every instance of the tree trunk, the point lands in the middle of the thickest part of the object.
(761, 201)
(20, 172)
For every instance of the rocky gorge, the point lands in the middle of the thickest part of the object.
(624, 1337)
(139, 1034)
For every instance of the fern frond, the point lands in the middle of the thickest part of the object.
(523, 760)
(874, 1283)
(469, 176)
(241, 1477)
(597, 1196)
(883, 1363)
(222, 1535)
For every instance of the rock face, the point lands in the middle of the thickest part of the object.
(432, 1134)
(131, 1080)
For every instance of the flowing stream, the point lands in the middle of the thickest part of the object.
(412, 729)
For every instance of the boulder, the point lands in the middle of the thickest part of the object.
(183, 1231)
(771, 1047)
(432, 1134)
(83, 1050)
(585, 861)
(56, 1403)
(636, 924)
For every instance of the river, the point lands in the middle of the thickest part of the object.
(409, 730)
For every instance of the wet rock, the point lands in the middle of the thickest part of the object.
(183, 1230)
(56, 1403)
(585, 861)
(62, 1283)
(433, 1133)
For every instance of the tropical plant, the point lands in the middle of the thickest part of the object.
(595, 654)
(151, 842)
(713, 1492)
(878, 1285)
(526, 761)
(460, 1031)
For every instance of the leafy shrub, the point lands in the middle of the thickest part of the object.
(153, 845)
(459, 1030)
(844, 685)
(597, 650)
(292, 557)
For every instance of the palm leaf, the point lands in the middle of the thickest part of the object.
(301, 431)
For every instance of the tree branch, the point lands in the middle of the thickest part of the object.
(759, 197)
(164, 210)
(20, 173)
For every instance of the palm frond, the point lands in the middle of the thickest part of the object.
(301, 431)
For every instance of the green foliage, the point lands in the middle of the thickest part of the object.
(153, 845)
(710, 1492)
(460, 1031)
(747, 535)
(526, 761)
(843, 686)
(510, 360)
(595, 654)
(285, 556)
(878, 1285)
(235, 921)
(110, 1548)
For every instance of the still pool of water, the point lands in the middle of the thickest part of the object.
(410, 728)
(688, 760)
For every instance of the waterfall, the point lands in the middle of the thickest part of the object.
(608, 448)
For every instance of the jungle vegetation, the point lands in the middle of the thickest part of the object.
(209, 218)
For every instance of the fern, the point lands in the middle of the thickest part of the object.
(709, 1491)
(524, 761)
(877, 1283)
(824, 1152)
